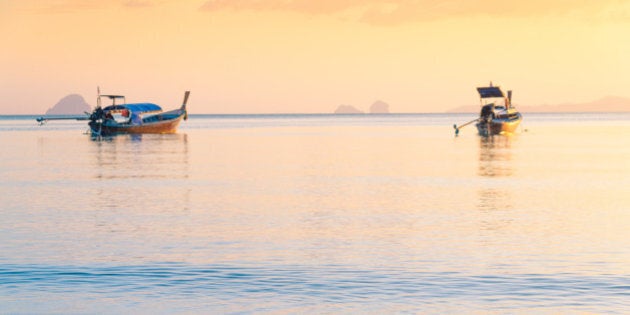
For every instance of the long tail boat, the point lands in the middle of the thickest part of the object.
(498, 115)
(126, 118)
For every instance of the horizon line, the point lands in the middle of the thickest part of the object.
(334, 114)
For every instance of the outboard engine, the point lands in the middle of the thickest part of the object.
(487, 113)
(97, 114)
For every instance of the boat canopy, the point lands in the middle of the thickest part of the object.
(112, 96)
(492, 91)
(136, 108)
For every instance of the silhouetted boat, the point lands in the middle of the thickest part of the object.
(126, 118)
(497, 115)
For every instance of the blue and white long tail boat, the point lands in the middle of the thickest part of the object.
(126, 118)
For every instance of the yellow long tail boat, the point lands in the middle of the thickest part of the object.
(497, 116)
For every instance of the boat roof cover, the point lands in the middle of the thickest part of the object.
(492, 91)
(112, 96)
(136, 108)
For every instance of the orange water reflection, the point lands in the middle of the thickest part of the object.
(495, 163)
(495, 198)
(495, 156)
(350, 195)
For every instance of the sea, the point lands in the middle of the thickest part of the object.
(317, 214)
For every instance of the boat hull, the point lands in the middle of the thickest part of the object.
(158, 126)
(499, 126)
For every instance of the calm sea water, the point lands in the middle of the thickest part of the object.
(317, 214)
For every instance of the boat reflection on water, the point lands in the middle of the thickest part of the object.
(128, 137)
(494, 196)
(131, 169)
(159, 156)
(495, 155)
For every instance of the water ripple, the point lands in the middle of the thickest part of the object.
(328, 284)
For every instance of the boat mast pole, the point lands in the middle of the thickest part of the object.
(98, 96)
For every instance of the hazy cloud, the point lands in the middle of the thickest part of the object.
(302, 6)
(386, 12)
(65, 6)
(139, 3)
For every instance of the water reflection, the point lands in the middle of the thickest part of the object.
(495, 156)
(139, 177)
(141, 156)
(495, 164)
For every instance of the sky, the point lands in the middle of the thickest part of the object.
(301, 56)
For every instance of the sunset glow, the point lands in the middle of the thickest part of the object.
(274, 56)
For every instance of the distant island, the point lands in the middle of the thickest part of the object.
(605, 104)
(73, 104)
(378, 107)
(347, 109)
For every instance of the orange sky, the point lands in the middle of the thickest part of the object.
(304, 56)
